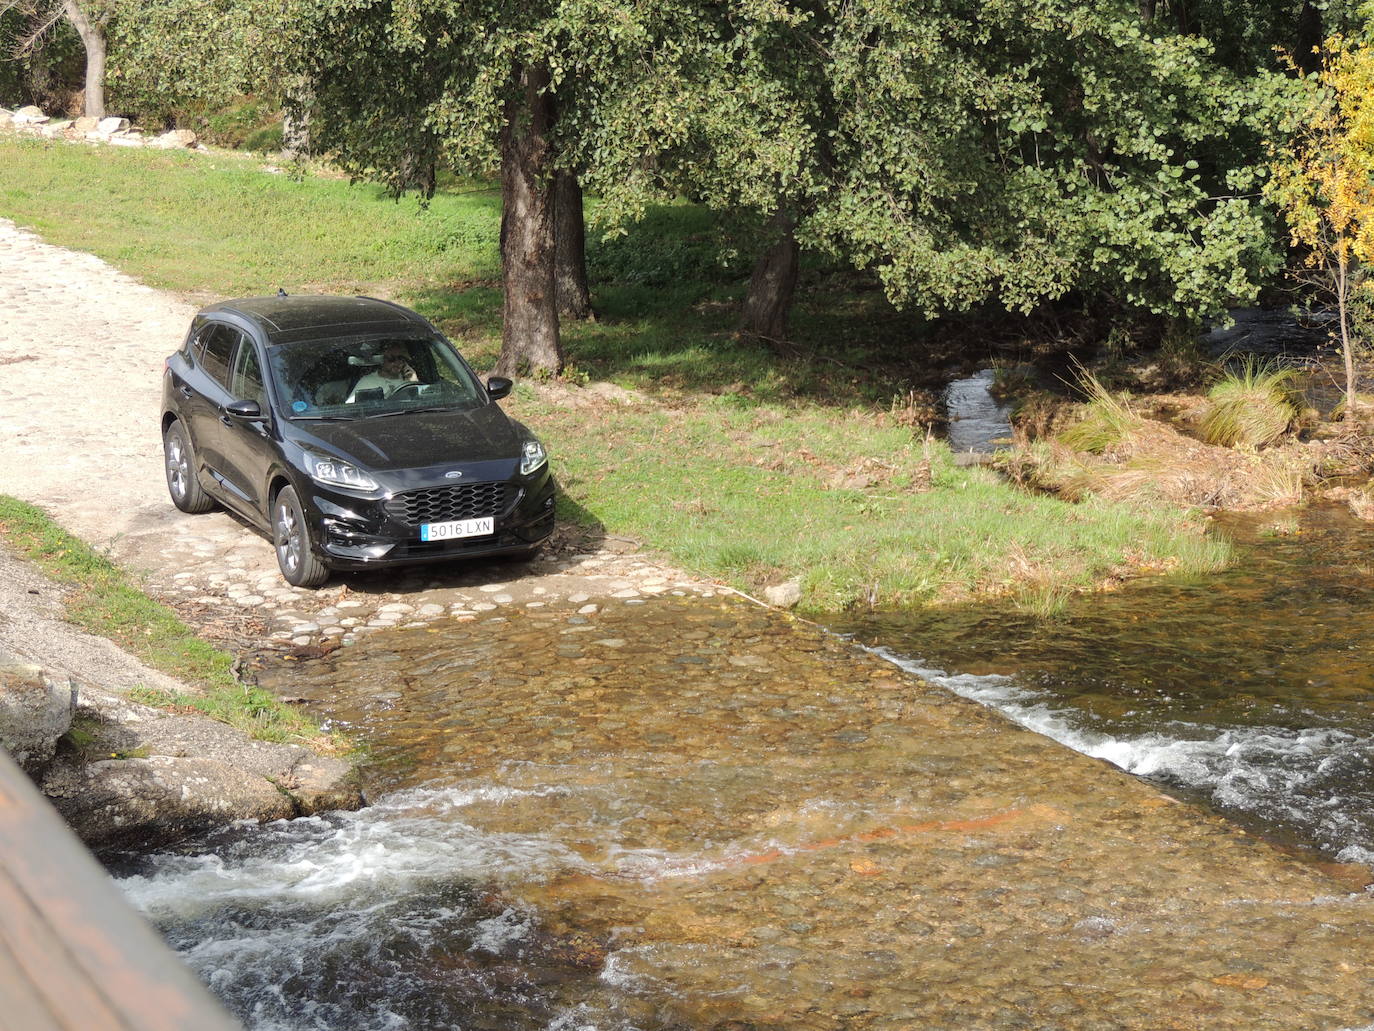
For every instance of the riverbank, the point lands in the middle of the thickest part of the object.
(716, 455)
(125, 774)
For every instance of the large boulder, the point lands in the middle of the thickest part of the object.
(29, 115)
(85, 124)
(111, 125)
(36, 708)
(145, 803)
(144, 778)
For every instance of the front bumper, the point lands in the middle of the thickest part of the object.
(352, 533)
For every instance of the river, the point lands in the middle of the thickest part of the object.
(686, 814)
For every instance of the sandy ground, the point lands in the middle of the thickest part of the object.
(81, 356)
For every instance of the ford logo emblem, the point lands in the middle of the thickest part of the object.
(456, 474)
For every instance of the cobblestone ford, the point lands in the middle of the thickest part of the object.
(970, 875)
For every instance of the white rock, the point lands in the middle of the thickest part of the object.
(29, 115)
(177, 139)
(107, 126)
(784, 595)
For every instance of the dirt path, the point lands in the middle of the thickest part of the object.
(81, 353)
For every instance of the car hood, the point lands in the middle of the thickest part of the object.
(417, 441)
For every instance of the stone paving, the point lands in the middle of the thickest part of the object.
(81, 353)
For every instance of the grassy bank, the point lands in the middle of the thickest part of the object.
(733, 461)
(105, 601)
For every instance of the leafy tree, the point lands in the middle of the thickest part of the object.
(1036, 151)
(1326, 182)
(169, 57)
(90, 19)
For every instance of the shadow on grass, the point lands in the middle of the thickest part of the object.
(667, 294)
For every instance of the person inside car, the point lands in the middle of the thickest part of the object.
(394, 373)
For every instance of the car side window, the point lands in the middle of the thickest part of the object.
(215, 348)
(245, 378)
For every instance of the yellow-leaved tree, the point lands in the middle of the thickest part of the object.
(1325, 183)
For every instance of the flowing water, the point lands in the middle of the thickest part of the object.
(977, 421)
(688, 814)
(1252, 691)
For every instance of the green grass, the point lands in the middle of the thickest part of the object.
(735, 462)
(750, 495)
(105, 601)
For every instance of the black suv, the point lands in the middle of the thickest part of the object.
(353, 433)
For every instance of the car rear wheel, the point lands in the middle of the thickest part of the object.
(180, 463)
(291, 536)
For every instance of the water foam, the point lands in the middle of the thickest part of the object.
(1315, 780)
(401, 842)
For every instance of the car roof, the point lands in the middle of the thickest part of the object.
(294, 317)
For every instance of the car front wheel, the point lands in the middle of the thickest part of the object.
(180, 462)
(291, 536)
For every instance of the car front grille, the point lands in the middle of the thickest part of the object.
(442, 504)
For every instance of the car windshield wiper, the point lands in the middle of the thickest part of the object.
(323, 418)
(413, 411)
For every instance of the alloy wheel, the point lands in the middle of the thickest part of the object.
(289, 537)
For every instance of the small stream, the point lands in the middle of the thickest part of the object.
(978, 422)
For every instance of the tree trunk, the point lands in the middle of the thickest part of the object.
(295, 123)
(1308, 37)
(570, 233)
(529, 335)
(1342, 278)
(772, 284)
(92, 35)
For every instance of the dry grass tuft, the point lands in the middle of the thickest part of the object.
(1107, 421)
(1255, 405)
(1157, 464)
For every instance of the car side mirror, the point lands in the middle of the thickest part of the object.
(498, 387)
(245, 410)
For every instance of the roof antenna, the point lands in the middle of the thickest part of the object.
(281, 292)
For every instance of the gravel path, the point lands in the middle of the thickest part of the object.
(81, 353)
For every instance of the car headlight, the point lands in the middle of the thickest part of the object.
(335, 472)
(532, 456)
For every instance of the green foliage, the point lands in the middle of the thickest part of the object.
(1037, 150)
(670, 244)
(181, 60)
(1256, 403)
(240, 123)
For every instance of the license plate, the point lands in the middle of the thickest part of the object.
(457, 528)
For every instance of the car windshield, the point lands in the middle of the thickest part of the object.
(354, 378)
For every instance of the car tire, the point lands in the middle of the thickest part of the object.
(179, 462)
(291, 538)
